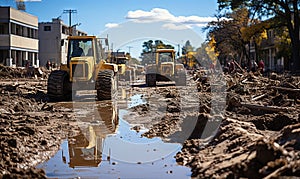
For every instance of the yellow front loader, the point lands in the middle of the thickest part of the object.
(126, 72)
(86, 69)
(163, 67)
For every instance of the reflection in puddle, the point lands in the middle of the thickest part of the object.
(106, 147)
(81, 154)
(136, 100)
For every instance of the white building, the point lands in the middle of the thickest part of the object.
(51, 35)
(18, 38)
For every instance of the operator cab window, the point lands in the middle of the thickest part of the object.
(165, 57)
(79, 48)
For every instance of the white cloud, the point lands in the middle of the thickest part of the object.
(172, 22)
(155, 15)
(111, 25)
(172, 26)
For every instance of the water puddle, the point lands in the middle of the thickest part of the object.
(107, 147)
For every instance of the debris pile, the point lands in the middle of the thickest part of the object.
(22, 72)
(8, 72)
(259, 133)
(266, 95)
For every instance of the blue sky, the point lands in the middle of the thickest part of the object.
(176, 19)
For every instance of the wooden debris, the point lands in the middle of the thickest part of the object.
(266, 108)
(286, 89)
(238, 65)
(259, 97)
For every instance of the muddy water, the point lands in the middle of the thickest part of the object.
(107, 146)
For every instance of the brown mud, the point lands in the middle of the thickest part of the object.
(31, 129)
(256, 136)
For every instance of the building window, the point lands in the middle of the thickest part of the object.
(31, 33)
(28, 32)
(3, 28)
(25, 29)
(35, 57)
(3, 56)
(47, 28)
(36, 34)
(12, 28)
(18, 30)
(14, 56)
(63, 30)
(22, 31)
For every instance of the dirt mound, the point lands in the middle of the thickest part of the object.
(8, 72)
(269, 122)
(228, 147)
(22, 72)
(168, 124)
(259, 135)
(289, 137)
(31, 130)
(163, 128)
(271, 160)
(141, 109)
(240, 150)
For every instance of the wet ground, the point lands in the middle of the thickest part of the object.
(257, 135)
(31, 130)
(247, 128)
(120, 154)
(111, 144)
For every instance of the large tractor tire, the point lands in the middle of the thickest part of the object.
(181, 80)
(106, 85)
(151, 79)
(59, 87)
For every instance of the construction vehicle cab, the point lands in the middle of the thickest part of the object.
(86, 69)
(126, 72)
(163, 67)
(120, 59)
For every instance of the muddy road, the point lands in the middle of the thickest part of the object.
(248, 127)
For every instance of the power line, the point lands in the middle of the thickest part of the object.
(70, 11)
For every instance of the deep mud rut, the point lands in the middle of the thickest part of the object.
(256, 136)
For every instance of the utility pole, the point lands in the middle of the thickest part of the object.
(70, 11)
(129, 47)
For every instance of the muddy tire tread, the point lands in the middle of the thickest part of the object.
(57, 88)
(105, 85)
